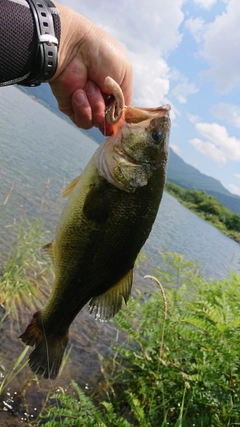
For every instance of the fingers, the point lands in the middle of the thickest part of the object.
(90, 104)
(81, 113)
(66, 84)
(84, 100)
(89, 108)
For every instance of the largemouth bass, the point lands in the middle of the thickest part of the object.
(107, 218)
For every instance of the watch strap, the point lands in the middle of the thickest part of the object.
(46, 58)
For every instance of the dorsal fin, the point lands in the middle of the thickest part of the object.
(50, 251)
(110, 302)
(70, 187)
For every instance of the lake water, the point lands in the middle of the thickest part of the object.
(38, 147)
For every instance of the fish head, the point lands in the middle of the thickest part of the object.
(145, 141)
(137, 148)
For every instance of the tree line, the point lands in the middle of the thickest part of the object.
(209, 208)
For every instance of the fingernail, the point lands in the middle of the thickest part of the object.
(79, 97)
(90, 87)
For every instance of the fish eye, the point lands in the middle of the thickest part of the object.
(157, 136)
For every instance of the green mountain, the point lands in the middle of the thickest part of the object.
(189, 177)
(179, 172)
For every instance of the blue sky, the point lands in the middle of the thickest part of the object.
(186, 53)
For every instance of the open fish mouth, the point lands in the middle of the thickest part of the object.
(132, 115)
(135, 115)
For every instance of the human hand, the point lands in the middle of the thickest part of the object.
(87, 55)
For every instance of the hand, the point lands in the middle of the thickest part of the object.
(87, 55)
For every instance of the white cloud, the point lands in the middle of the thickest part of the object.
(143, 29)
(234, 189)
(175, 148)
(221, 48)
(183, 89)
(197, 27)
(219, 44)
(193, 118)
(227, 112)
(237, 175)
(216, 143)
(150, 79)
(205, 4)
(208, 149)
(136, 23)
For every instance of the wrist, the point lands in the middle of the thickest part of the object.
(47, 26)
(74, 28)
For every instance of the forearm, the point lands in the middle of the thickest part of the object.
(18, 41)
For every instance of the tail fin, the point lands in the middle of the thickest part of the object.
(47, 357)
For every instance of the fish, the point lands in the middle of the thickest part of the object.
(108, 215)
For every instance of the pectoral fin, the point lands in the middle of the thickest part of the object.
(68, 190)
(109, 303)
(96, 206)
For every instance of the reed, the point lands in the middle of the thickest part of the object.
(25, 276)
(8, 377)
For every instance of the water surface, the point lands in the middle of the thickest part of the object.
(39, 153)
(36, 146)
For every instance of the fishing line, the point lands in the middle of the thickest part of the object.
(48, 367)
(104, 126)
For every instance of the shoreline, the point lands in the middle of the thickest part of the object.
(210, 218)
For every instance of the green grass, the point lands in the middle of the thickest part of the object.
(24, 274)
(179, 364)
(8, 377)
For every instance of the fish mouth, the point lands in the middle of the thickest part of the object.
(138, 115)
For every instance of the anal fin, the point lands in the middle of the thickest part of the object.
(110, 302)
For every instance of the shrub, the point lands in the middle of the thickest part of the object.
(195, 196)
(193, 377)
(232, 222)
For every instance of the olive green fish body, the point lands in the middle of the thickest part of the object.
(106, 220)
(102, 252)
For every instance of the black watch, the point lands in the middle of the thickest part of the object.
(45, 15)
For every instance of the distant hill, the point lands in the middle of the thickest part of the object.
(189, 177)
(179, 172)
